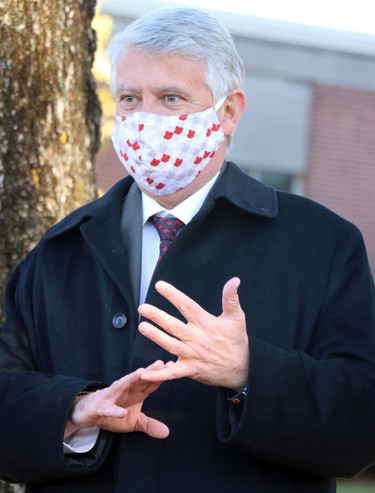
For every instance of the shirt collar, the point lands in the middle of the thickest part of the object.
(184, 211)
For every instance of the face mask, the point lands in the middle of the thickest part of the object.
(166, 153)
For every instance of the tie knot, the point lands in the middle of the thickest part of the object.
(167, 227)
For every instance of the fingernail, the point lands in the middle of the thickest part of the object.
(144, 329)
(160, 285)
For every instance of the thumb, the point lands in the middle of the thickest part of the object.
(151, 426)
(230, 300)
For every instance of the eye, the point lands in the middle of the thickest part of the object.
(172, 98)
(126, 98)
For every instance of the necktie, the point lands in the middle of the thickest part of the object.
(167, 227)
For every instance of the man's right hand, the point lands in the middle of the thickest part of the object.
(117, 408)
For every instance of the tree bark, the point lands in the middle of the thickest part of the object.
(50, 118)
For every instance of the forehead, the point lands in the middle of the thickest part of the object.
(136, 68)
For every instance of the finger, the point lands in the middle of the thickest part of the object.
(154, 366)
(109, 409)
(190, 310)
(171, 371)
(138, 393)
(129, 381)
(230, 300)
(130, 389)
(170, 324)
(90, 409)
(170, 344)
(152, 427)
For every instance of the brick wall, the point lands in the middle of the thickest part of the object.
(341, 172)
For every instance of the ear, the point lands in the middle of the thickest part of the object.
(230, 112)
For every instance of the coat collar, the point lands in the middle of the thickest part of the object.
(109, 205)
(244, 192)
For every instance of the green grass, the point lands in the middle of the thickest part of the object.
(355, 486)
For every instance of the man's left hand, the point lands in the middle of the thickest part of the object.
(209, 349)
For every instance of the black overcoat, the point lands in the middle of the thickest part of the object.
(308, 296)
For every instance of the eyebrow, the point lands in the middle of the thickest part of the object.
(122, 88)
(169, 89)
(172, 90)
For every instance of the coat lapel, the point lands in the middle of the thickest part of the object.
(131, 231)
(103, 235)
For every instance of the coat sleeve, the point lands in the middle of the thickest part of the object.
(315, 411)
(35, 407)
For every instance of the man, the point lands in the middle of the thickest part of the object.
(243, 359)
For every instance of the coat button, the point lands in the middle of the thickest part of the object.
(119, 320)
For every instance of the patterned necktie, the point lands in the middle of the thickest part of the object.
(167, 227)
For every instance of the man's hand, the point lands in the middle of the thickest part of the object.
(212, 350)
(118, 407)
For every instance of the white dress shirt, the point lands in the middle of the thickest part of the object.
(84, 440)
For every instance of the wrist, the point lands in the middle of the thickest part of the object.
(70, 428)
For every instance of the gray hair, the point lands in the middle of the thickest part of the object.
(188, 32)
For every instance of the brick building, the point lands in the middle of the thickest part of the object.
(310, 123)
(341, 172)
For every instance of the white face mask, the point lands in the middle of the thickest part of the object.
(166, 153)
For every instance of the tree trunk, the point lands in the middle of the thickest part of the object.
(50, 118)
